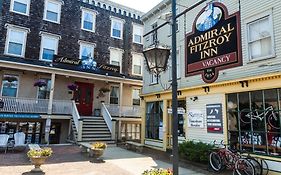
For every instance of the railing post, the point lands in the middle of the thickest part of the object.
(80, 126)
(50, 104)
(113, 134)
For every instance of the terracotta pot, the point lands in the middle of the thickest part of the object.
(96, 153)
(37, 162)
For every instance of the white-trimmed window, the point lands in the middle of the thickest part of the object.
(153, 78)
(116, 56)
(260, 37)
(49, 46)
(117, 28)
(15, 41)
(137, 34)
(88, 21)
(20, 6)
(52, 11)
(10, 84)
(114, 95)
(137, 64)
(86, 50)
(178, 66)
(44, 91)
(136, 96)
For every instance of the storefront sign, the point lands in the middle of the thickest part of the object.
(214, 44)
(180, 110)
(66, 60)
(86, 64)
(15, 116)
(195, 119)
(214, 118)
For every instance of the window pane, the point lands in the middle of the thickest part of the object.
(16, 36)
(19, 7)
(137, 38)
(87, 51)
(88, 17)
(49, 43)
(44, 91)
(48, 54)
(137, 69)
(15, 48)
(114, 95)
(117, 25)
(53, 16)
(88, 25)
(53, 7)
(259, 29)
(261, 48)
(116, 33)
(115, 63)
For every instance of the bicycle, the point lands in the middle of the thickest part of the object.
(272, 118)
(230, 159)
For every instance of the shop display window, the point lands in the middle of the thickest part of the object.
(254, 121)
(154, 120)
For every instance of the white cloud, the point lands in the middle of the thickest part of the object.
(141, 5)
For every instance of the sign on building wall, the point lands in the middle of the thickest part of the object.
(214, 43)
(214, 118)
(195, 119)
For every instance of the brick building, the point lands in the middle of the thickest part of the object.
(61, 60)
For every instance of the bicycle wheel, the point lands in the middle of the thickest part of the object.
(273, 121)
(244, 167)
(264, 166)
(245, 116)
(215, 162)
(256, 164)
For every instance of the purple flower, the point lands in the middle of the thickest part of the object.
(40, 83)
(72, 87)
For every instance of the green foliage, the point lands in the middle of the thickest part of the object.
(195, 151)
(45, 152)
(158, 172)
(99, 145)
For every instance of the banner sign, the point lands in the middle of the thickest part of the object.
(195, 119)
(86, 64)
(214, 43)
(214, 118)
(18, 116)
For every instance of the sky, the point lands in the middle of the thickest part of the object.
(141, 5)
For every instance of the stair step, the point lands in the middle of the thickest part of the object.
(90, 118)
(95, 129)
(97, 139)
(94, 126)
(93, 121)
(96, 132)
(96, 135)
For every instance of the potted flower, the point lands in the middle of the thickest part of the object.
(97, 149)
(102, 91)
(38, 157)
(40, 83)
(159, 171)
(10, 78)
(72, 87)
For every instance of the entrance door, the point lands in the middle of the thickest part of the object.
(84, 98)
(54, 137)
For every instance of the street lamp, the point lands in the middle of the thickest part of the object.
(156, 59)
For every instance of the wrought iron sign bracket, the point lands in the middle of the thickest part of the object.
(206, 89)
(158, 95)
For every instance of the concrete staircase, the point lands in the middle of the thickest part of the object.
(94, 130)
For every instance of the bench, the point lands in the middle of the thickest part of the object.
(135, 146)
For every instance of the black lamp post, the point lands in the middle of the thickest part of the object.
(156, 59)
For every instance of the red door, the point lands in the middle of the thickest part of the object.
(84, 98)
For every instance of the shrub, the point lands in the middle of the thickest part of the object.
(195, 151)
(158, 172)
(45, 152)
(99, 145)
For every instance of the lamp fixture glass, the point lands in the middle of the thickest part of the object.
(156, 59)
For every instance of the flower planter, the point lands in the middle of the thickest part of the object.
(96, 153)
(37, 162)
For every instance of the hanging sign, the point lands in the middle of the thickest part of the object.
(181, 110)
(214, 118)
(195, 119)
(214, 44)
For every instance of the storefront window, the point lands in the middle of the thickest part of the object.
(154, 120)
(254, 121)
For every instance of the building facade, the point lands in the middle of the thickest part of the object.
(61, 60)
(228, 70)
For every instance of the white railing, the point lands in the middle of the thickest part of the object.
(77, 121)
(31, 105)
(125, 111)
(107, 117)
(24, 105)
(62, 107)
